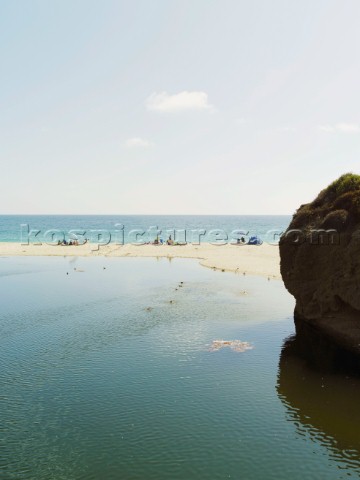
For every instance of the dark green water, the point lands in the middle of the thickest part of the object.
(94, 385)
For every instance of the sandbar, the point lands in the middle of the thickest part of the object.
(262, 260)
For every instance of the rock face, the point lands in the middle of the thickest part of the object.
(320, 263)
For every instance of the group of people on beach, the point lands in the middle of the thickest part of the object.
(240, 241)
(160, 241)
(71, 242)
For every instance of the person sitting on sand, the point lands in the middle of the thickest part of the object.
(240, 241)
(170, 241)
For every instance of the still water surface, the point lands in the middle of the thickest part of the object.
(103, 378)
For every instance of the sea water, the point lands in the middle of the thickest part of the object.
(123, 228)
(108, 372)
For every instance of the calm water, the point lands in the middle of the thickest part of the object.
(103, 378)
(11, 230)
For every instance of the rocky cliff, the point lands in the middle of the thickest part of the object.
(320, 263)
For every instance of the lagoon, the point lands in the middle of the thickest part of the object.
(107, 372)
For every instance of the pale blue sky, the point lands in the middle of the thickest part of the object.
(94, 118)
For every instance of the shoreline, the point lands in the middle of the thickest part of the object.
(262, 260)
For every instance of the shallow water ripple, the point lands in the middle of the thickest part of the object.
(110, 380)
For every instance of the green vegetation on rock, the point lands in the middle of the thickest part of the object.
(337, 206)
(349, 182)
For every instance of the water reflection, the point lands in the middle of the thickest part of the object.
(323, 404)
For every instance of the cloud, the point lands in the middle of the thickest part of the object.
(341, 127)
(179, 102)
(348, 127)
(241, 121)
(137, 142)
(286, 129)
(326, 128)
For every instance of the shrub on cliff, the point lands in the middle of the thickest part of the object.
(333, 203)
(349, 182)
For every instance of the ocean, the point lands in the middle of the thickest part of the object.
(134, 228)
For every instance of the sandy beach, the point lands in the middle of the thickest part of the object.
(260, 260)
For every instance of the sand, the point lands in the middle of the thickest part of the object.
(263, 260)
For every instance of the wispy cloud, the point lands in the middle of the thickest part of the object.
(137, 142)
(326, 128)
(178, 102)
(286, 129)
(348, 127)
(241, 121)
(341, 127)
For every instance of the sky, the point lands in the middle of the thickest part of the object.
(176, 106)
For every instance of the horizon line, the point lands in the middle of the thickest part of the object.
(150, 214)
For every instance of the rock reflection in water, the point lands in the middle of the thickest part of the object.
(323, 404)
